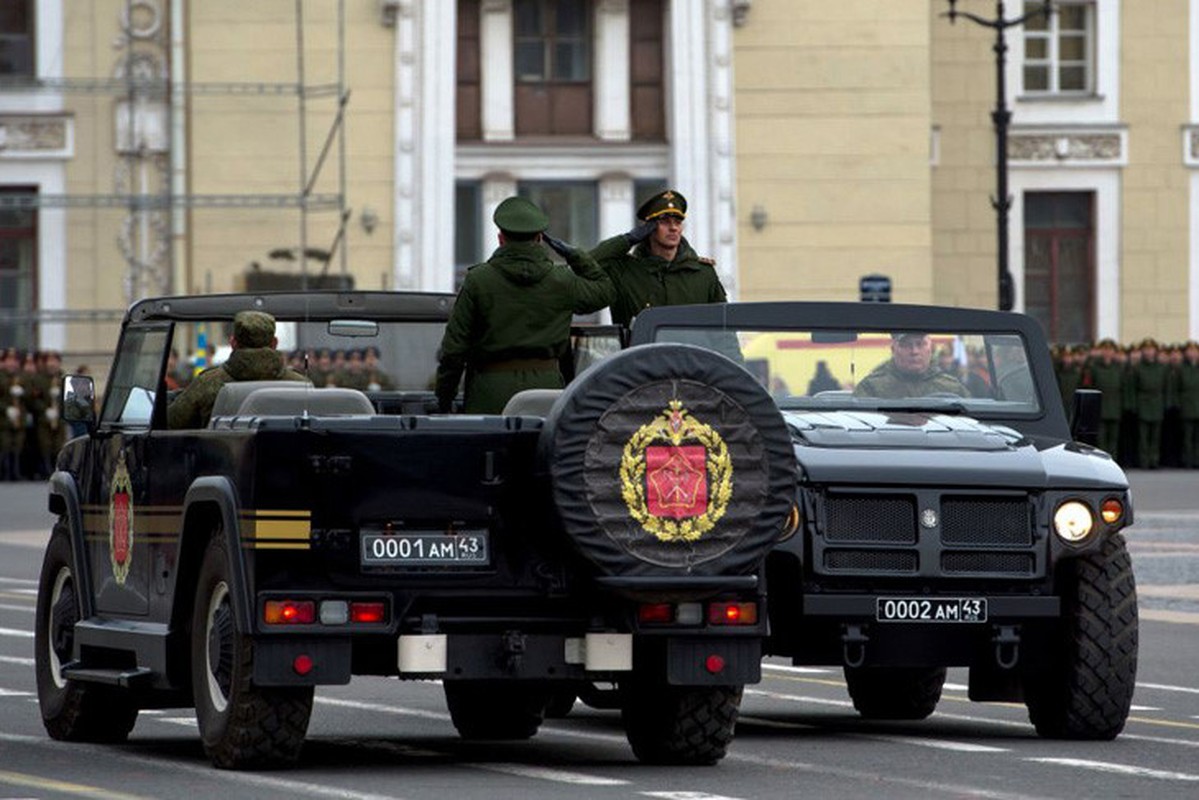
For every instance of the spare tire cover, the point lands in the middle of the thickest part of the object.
(669, 459)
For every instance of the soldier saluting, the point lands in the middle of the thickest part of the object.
(662, 269)
(511, 322)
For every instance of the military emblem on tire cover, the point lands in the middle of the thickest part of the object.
(676, 476)
(120, 521)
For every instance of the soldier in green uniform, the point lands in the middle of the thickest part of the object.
(1149, 380)
(12, 417)
(909, 372)
(254, 358)
(47, 385)
(662, 269)
(1105, 374)
(1188, 404)
(1069, 374)
(511, 322)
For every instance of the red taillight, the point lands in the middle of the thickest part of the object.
(660, 613)
(733, 614)
(714, 664)
(289, 612)
(368, 612)
(302, 664)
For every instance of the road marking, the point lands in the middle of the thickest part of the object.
(51, 785)
(187, 722)
(773, 723)
(936, 744)
(689, 796)
(401, 711)
(14, 693)
(1118, 769)
(20, 581)
(1188, 591)
(1165, 687)
(24, 662)
(819, 701)
(1143, 708)
(957, 687)
(17, 633)
(797, 670)
(1181, 617)
(28, 609)
(547, 774)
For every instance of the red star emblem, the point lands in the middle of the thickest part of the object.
(676, 481)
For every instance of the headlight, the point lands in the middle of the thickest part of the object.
(1073, 521)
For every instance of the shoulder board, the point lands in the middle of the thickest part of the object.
(711, 262)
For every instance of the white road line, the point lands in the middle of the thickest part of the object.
(689, 796)
(14, 693)
(818, 701)
(21, 581)
(773, 723)
(6, 607)
(24, 662)
(936, 744)
(1143, 708)
(1164, 687)
(187, 722)
(17, 633)
(1118, 769)
(957, 687)
(22, 592)
(385, 709)
(547, 774)
(797, 670)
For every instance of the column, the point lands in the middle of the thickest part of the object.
(616, 204)
(495, 54)
(610, 71)
(496, 188)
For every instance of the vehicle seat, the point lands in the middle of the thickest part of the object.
(300, 399)
(531, 403)
(231, 395)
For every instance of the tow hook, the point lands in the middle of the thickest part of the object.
(853, 644)
(514, 650)
(1007, 645)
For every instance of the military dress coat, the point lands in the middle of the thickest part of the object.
(511, 323)
(887, 382)
(192, 408)
(1187, 388)
(642, 279)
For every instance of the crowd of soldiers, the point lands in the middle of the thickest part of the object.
(30, 429)
(1150, 405)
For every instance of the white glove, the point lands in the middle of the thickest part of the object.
(17, 390)
(13, 413)
(51, 415)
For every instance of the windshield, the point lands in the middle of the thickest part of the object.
(964, 372)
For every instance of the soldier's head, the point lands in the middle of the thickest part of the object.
(519, 220)
(253, 329)
(911, 351)
(1149, 349)
(668, 209)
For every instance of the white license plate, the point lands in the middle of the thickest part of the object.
(930, 609)
(426, 549)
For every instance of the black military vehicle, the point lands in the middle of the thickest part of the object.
(951, 515)
(612, 533)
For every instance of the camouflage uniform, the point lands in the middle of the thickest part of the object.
(253, 359)
(888, 382)
(511, 322)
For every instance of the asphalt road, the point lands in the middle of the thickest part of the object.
(798, 735)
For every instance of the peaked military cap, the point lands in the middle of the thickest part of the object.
(1148, 341)
(518, 215)
(663, 203)
(253, 329)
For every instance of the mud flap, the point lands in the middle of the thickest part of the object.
(713, 662)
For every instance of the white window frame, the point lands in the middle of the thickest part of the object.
(1053, 61)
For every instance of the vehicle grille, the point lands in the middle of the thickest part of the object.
(920, 533)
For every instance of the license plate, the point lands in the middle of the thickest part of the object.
(426, 549)
(931, 609)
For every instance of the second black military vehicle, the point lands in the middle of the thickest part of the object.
(612, 532)
(951, 515)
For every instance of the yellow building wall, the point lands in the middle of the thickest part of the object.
(963, 175)
(832, 120)
(1155, 103)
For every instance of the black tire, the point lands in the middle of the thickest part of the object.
(1086, 693)
(242, 726)
(561, 701)
(71, 710)
(690, 725)
(595, 449)
(895, 692)
(507, 710)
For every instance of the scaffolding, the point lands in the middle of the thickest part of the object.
(149, 267)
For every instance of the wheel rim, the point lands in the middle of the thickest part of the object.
(218, 651)
(64, 613)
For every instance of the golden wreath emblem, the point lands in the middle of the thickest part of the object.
(672, 428)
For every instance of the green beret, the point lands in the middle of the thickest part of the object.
(253, 329)
(518, 215)
(667, 202)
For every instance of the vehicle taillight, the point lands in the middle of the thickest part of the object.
(733, 614)
(1111, 510)
(289, 612)
(368, 612)
(656, 613)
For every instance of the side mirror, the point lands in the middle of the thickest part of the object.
(1085, 415)
(79, 400)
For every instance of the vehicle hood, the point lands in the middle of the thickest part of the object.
(876, 447)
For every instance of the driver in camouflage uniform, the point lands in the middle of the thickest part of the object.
(254, 358)
(909, 372)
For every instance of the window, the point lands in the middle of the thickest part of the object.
(1059, 264)
(18, 274)
(470, 91)
(552, 61)
(468, 211)
(16, 38)
(1059, 51)
(135, 373)
(646, 55)
(573, 209)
